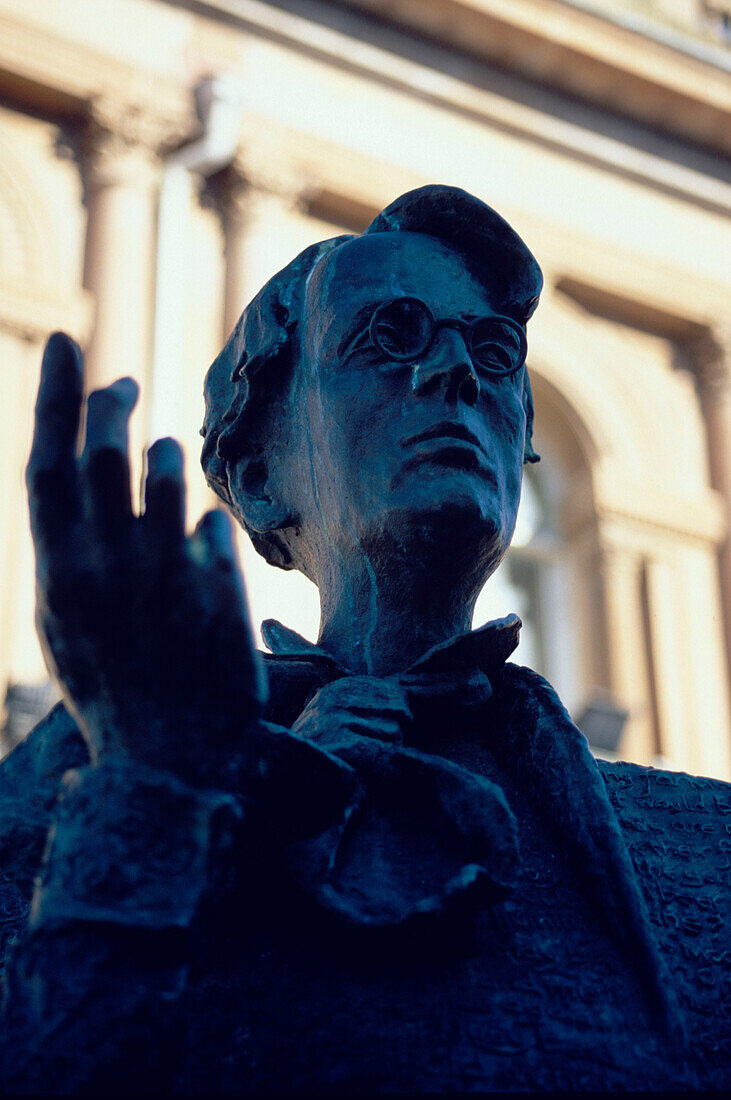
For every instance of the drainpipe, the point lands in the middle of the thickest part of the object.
(219, 104)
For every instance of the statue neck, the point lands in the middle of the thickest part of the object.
(377, 621)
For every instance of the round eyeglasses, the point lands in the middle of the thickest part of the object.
(404, 328)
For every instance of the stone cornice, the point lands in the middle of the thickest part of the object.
(583, 53)
(336, 181)
(46, 72)
(310, 165)
(351, 50)
(628, 284)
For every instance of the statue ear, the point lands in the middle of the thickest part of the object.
(256, 497)
(258, 487)
(262, 511)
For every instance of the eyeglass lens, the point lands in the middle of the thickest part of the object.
(404, 328)
(496, 345)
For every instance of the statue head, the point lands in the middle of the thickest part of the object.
(374, 394)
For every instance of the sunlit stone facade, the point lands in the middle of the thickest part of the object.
(600, 130)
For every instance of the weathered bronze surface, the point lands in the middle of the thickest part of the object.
(384, 862)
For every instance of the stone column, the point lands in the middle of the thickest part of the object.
(122, 171)
(673, 696)
(234, 202)
(711, 357)
(121, 175)
(262, 200)
(629, 675)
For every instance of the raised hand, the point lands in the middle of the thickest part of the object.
(146, 630)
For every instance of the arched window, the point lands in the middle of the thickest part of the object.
(548, 575)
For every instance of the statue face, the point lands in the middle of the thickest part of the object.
(424, 449)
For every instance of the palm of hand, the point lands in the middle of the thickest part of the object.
(146, 630)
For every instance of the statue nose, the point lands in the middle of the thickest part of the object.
(447, 364)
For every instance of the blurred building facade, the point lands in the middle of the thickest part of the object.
(599, 129)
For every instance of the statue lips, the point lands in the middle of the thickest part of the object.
(453, 445)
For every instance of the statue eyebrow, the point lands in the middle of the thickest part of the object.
(361, 319)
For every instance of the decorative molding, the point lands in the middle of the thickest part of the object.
(628, 285)
(227, 193)
(130, 123)
(329, 178)
(277, 158)
(111, 109)
(47, 71)
(679, 85)
(269, 168)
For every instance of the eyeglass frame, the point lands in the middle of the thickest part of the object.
(466, 328)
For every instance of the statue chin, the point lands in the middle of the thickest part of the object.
(462, 533)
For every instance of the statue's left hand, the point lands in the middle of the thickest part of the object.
(145, 629)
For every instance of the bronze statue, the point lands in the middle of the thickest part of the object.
(384, 862)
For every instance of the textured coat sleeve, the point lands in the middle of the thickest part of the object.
(92, 984)
(133, 859)
(30, 777)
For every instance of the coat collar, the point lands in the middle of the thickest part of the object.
(544, 747)
(486, 649)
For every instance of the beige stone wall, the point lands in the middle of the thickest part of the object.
(630, 223)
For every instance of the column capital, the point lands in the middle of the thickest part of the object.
(617, 549)
(710, 355)
(117, 131)
(272, 172)
(229, 193)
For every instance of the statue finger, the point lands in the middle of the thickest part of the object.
(214, 544)
(51, 474)
(214, 535)
(164, 516)
(105, 458)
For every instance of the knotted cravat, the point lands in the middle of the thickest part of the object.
(419, 832)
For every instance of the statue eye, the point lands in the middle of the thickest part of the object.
(402, 329)
(497, 346)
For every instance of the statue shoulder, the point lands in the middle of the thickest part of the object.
(676, 800)
(29, 781)
(677, 828)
